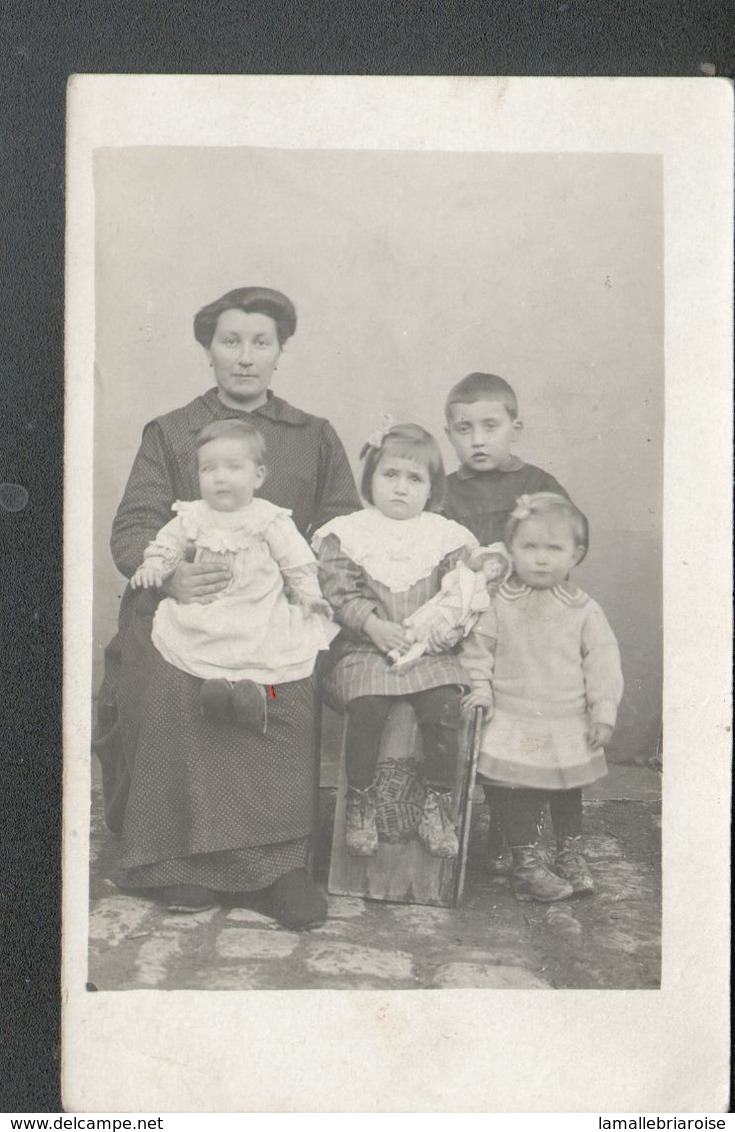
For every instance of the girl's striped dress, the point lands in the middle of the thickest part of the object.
(371, 564)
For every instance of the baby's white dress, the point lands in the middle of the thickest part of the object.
(251, 631)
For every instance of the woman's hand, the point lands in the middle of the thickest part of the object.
(600, 735)
(386, 635)
(198, 582)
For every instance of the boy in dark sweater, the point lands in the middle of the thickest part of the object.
(482, 426)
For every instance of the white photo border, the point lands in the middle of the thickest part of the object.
(471, 1050)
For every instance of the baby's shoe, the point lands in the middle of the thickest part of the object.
(249, 704)
(361, 830)
(436, 829)
(533, 880)
(571, 864)
(216, 701)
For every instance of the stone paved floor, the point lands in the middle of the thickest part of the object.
(609, 940)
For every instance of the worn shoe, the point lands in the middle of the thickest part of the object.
(571, 864)
(249, 705)
(361, 830)
(533, 880)
(216, 701)
(188, 898)
(436, 829)
(296, 902)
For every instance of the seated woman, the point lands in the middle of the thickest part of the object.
(205, 807)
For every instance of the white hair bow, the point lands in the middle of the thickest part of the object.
(375, 440)
(522, 509)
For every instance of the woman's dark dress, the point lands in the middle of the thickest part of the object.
(197, 802)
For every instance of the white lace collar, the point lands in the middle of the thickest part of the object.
(226, 530)
(396, 552)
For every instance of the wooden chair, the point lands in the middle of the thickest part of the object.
(402, 870)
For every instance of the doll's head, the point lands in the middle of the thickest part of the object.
(493, 561)
(403, 473)
(547, 536)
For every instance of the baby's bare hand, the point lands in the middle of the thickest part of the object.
(145, 577)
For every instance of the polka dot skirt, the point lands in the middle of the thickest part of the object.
(210, 803)
(244, 870)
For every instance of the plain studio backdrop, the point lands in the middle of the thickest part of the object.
(409, 270)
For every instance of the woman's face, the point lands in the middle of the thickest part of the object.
(244, 353)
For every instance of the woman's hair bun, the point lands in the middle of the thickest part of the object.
(251, 300)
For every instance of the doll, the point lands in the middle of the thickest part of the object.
(464, 595)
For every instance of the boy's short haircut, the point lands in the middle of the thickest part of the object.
(411, 442)
(544, 503)
(482, 387)
(240, 429)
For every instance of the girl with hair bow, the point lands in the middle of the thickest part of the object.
(377, 567)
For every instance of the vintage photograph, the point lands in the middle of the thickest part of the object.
(377, 570)
(397, 549)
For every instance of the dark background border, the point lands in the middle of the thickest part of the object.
(43, 45)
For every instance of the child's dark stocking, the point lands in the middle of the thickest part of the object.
(566, 812)
(439, 715)
(366, 719)
(499, 861)
(570, 863)
(532, 879)
(520, 810)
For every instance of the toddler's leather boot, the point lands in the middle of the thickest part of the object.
(571, 864)
(533, 880)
